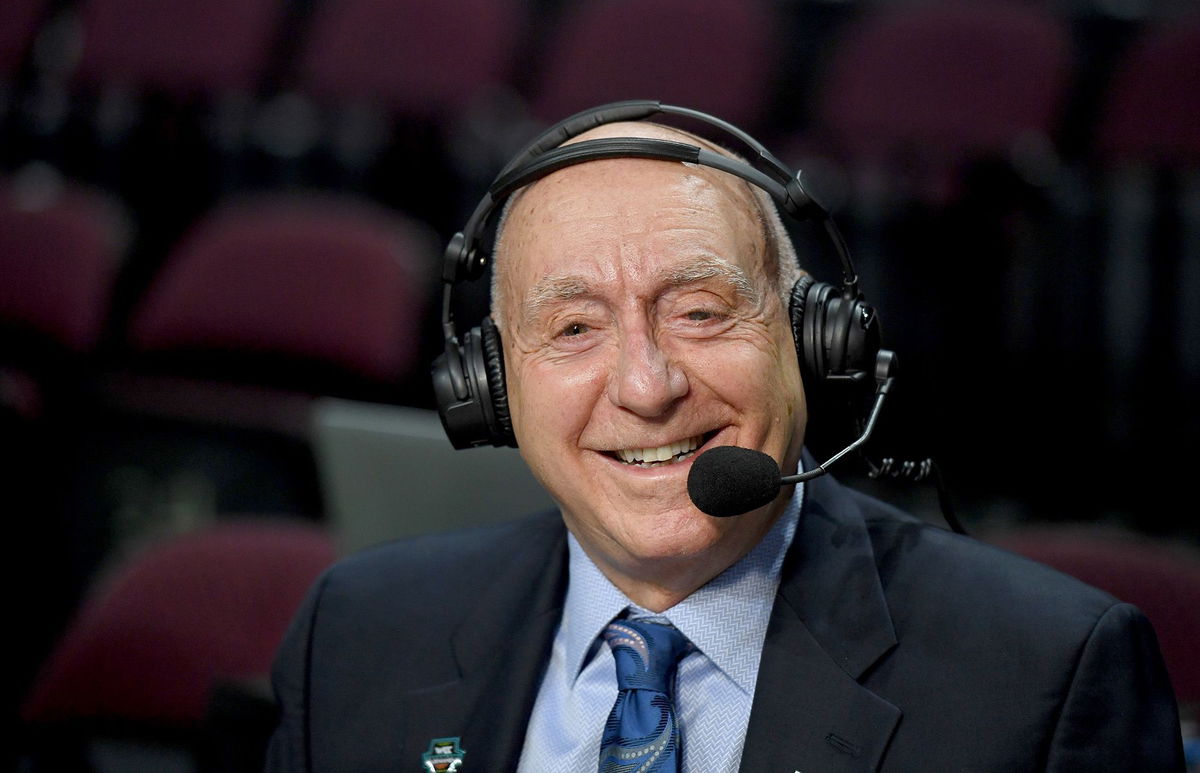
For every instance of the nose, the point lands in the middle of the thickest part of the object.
(646, 380)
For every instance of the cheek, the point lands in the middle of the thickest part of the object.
(763, 374)
(544, 395)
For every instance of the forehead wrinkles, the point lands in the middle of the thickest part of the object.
(560, 199)
(572, 193)
(561, 288)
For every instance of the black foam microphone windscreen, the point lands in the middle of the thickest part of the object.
(729, 480)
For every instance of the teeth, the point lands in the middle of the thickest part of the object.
(669, 452)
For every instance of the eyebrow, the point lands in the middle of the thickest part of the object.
(553, 289)
(711, 267)
(557, 288)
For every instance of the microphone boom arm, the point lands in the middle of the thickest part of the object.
(884, 366)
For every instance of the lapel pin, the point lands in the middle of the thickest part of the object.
(444, 755)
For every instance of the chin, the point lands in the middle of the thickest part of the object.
(679, 534)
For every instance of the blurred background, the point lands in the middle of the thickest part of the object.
(220, 233)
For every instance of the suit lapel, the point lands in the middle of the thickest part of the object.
(501, 659)
(830, 623)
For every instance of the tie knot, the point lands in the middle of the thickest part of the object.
(646, 653)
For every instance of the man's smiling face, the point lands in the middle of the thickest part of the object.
(640, 327)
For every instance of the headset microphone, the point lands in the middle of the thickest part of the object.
(730, 480)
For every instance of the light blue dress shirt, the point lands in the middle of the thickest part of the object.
(726, 620)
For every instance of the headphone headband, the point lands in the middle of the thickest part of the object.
(631, 110)
(466, 258)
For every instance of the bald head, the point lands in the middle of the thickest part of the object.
(778, 259)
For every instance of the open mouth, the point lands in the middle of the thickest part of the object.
(662, 455)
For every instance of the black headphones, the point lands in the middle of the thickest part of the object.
(836, 332)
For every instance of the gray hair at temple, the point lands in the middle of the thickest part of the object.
(780, 259)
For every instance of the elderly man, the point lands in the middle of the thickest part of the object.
(641, 313)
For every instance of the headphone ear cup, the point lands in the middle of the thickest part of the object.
(804, 332)
(468, 382)
(835, 336)
(852, 338)
(497, 389)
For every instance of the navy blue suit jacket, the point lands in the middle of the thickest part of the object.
(893, 645)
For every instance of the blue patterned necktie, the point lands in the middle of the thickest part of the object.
(641, 735)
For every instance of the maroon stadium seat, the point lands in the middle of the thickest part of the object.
(336, 282)
(417, 57)
(61, 246)
(183, 48)
(719, 57)
(165, 664)
(943, 82)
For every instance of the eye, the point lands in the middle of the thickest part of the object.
(574, 329)
(705, 315)
(699, 318)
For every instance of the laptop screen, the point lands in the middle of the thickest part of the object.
(388, 471)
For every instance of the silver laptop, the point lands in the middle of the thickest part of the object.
(389, 471)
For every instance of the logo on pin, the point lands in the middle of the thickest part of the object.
(444, 755)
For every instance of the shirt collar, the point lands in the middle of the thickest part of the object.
(592, 602)
(726, 618)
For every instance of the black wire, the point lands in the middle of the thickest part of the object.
(918, 472)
